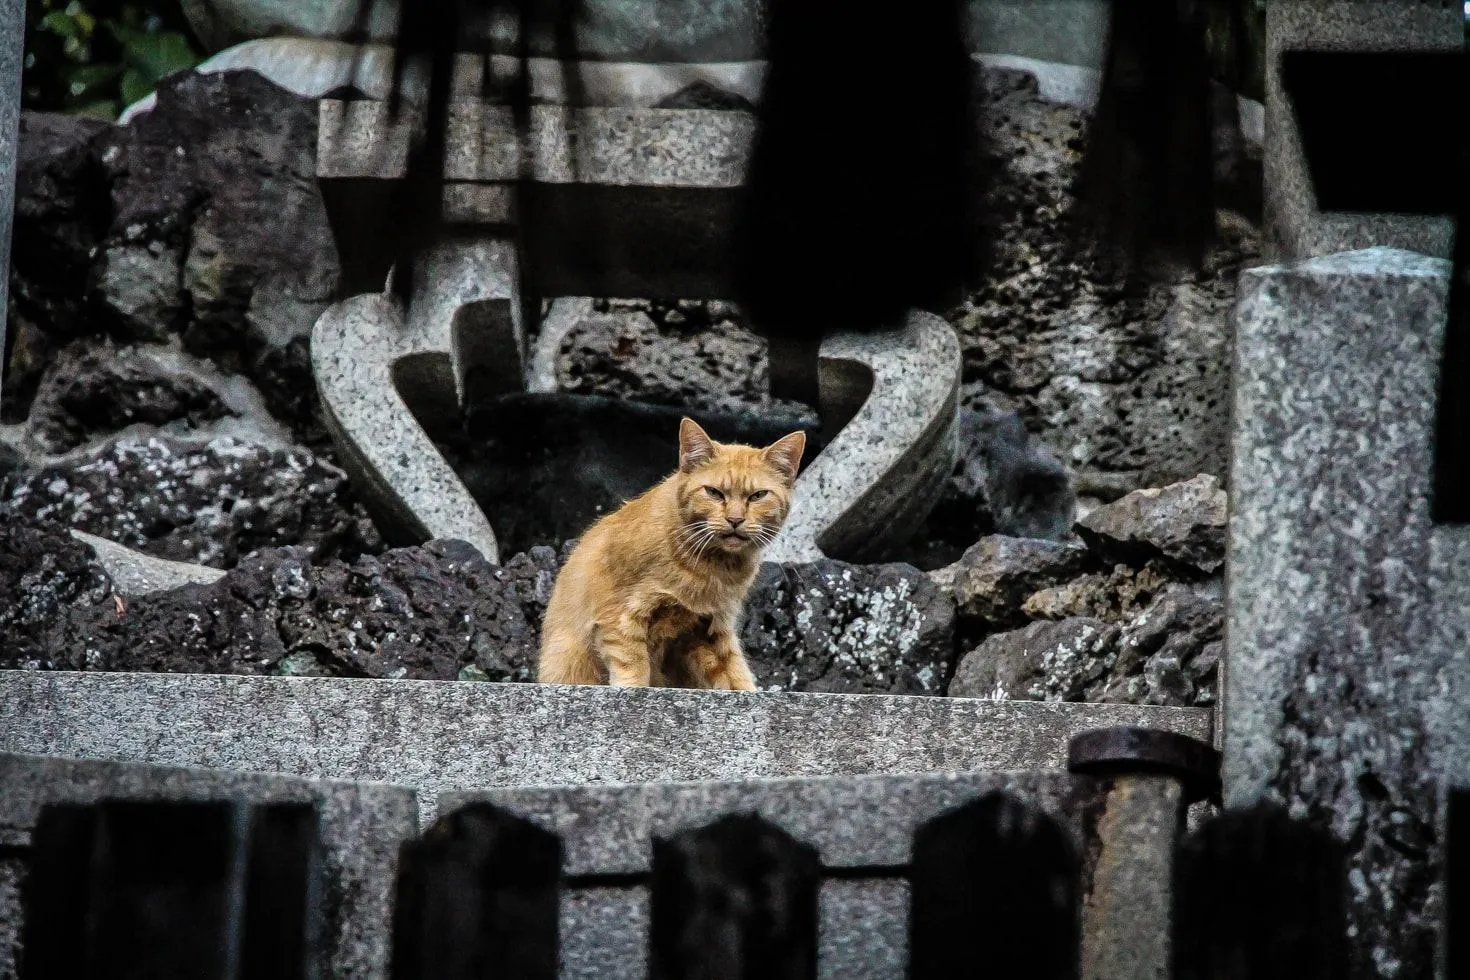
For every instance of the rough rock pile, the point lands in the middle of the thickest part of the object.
(1133, 616)
(1042, 620)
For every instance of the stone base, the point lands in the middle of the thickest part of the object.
(437, 736)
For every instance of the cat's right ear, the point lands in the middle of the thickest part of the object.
(695, 448)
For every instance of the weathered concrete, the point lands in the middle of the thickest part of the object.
(134, 573)
(12, 33)
(877, 479)
(1295, 229)
(361, 827)
(439, 736)
(1348, 611)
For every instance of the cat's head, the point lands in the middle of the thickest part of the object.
(733, 498)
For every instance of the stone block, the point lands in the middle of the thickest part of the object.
(361, 827)
(1295, 229)
(1348, 610)
(440, 736)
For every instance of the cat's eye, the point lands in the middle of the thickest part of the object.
(758, 495)
(714, 493)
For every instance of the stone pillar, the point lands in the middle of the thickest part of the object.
(1295, 229)
(1348, 611)
(12, 33)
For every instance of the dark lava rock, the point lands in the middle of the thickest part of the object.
(204, 502)
(693, 354)
(857, 629)
(548, 465)
(703, 95)
(95, 388)
(1047, 661)
(1130, 389)
(436, 612)
(201, 219)
(1184, 522)
(1168, 654)
(1111, 596)
(993, 578)
(1004, 482)
(44, 574)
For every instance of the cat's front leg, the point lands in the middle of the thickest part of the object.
(625, 651)
(727, 669)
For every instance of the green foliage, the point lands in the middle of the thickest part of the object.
(95, 57)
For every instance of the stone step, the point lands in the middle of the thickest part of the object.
(437, 736)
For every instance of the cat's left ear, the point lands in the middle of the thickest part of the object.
(784, 455)
(695, 448)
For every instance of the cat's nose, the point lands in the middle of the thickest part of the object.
(735, 521)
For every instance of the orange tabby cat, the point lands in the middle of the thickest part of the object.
(652, 593)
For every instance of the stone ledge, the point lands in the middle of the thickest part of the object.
(437, 736)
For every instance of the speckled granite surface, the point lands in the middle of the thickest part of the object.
(625, 147)
(1347, 610)
(366, 360)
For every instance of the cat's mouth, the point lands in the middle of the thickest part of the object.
(734, 536)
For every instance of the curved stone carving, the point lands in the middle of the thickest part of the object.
(370, 366)
(877, 480)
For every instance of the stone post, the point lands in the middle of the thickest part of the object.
(12, 34)
(1348, 610)
(1295, 229)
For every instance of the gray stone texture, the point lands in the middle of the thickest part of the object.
(357, 347)
(94, 388)
(1294, 228)
(362, 825)
(623, 147)
(437, 736)
(836, 628)
(1347, 608)
(876, 481)
(1167, 652)
(12, 33)
(134, 573)
(692, 353)
(853, 821)
(1128, 390)
(1069, 31)
(994, 577)
(1183, 522)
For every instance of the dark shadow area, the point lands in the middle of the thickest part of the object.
(545, 466)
